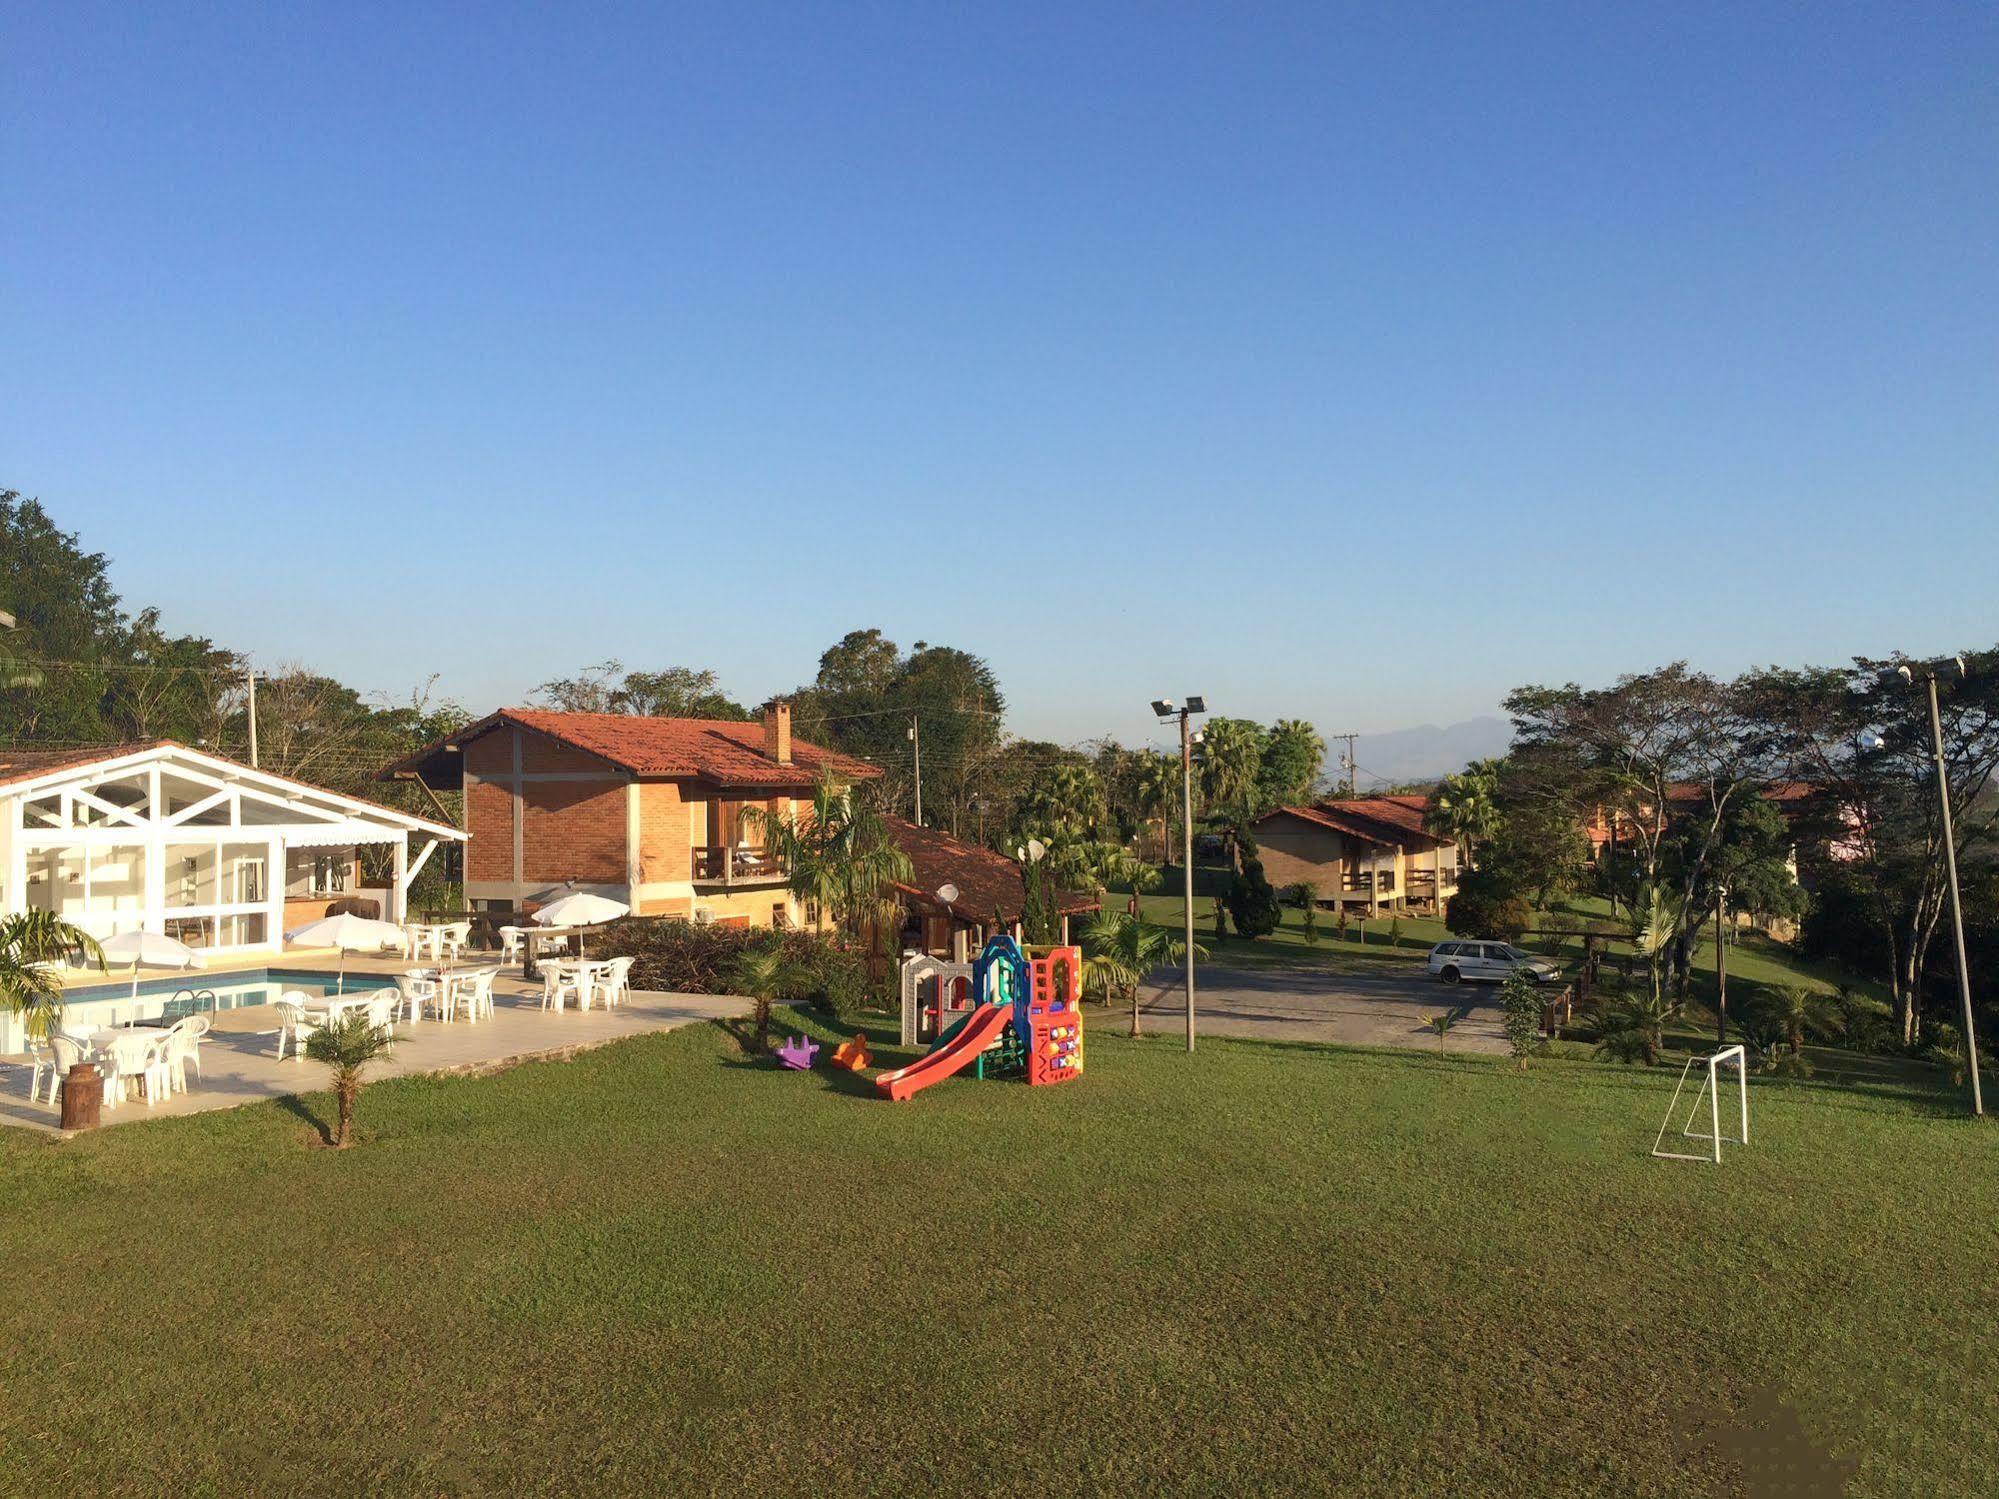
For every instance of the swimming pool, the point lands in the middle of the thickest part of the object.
(102, 1004)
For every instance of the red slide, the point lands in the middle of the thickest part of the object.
(974, 1036)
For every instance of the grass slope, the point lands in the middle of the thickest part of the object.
(657, 1267)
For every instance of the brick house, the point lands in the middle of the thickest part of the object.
(647, 811)
(988, 899)
(1369, 854)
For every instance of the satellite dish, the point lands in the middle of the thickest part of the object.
(948, 893)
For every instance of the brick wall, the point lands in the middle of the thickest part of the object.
(1293, 852)
(489, 824)
(665, 833)
(575, 830)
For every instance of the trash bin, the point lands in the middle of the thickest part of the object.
(82, 1097)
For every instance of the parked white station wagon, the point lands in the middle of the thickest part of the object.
(1487, 963)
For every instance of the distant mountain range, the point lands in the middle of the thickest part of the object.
(1423, 753)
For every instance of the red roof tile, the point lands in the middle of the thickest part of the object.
(1392, 821)
(720, 751)
(986, 881)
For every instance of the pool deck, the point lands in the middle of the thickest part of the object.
(239, 1066)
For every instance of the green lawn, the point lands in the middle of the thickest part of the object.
(659, 1268)
(1364, 948)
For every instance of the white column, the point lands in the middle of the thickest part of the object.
(156, 856)
(274, 893)
(15, 896)
(399, 902)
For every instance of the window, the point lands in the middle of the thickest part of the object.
(329, 874)
(778, 917)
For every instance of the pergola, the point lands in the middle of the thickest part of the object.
(172, 839)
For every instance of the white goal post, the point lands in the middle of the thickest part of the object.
(1710, 1090)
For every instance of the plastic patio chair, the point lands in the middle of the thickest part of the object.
(64, 1053)
(293, 1027)
(612, 981)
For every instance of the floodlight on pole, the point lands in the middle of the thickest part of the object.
(1163, 707)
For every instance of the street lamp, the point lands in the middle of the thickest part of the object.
(1927, 673)
(1164, 710)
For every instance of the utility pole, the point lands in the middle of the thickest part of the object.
(916, 744)
(1347, 763)
(250, 682)
(1956, 908)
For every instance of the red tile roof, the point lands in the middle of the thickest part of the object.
(1391, 821)
(986, 881)
(720, 751)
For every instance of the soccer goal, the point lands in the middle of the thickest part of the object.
(1709, 1093)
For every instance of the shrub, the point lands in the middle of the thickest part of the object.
(1252, 901)
(1489, 907)
(685, 957)
(1306, 894)
(1520, 1001)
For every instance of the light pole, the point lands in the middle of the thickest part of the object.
(1927, 674)
(1164, 709)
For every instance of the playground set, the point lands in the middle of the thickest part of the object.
(1017, 1014)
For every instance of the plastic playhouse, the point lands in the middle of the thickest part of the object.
(1024, 1017)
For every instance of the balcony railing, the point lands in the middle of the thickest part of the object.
(1365, 881)
(737, 866)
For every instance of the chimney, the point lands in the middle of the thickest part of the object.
(777, 731)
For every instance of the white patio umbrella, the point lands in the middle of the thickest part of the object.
(153, 949)
(581, 909)
(348, 933)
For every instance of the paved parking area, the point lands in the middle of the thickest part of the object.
(1388, 1009)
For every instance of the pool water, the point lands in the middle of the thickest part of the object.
(106, 1004)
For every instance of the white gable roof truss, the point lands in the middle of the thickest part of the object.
(170, 789)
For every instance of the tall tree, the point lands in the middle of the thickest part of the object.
(1671, 748)
(110, 677)
(1860, 739)
(1294, 755)
(671, 692)
(937, 703)
(1465, 807)
(1159, 792)
(1231, 777)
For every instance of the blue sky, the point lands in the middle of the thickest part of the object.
(1350, 362)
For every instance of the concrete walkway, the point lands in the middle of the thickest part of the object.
(1275, 1004)
(238, 1064)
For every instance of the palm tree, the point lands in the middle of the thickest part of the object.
(1119, 950)
(346, 1046)
(1157, 781)
(768, 977)
(840, 856)
(1231, 763)
(1793, 1010)
(1464, 808)
(1631, 1027)
(33, 947)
